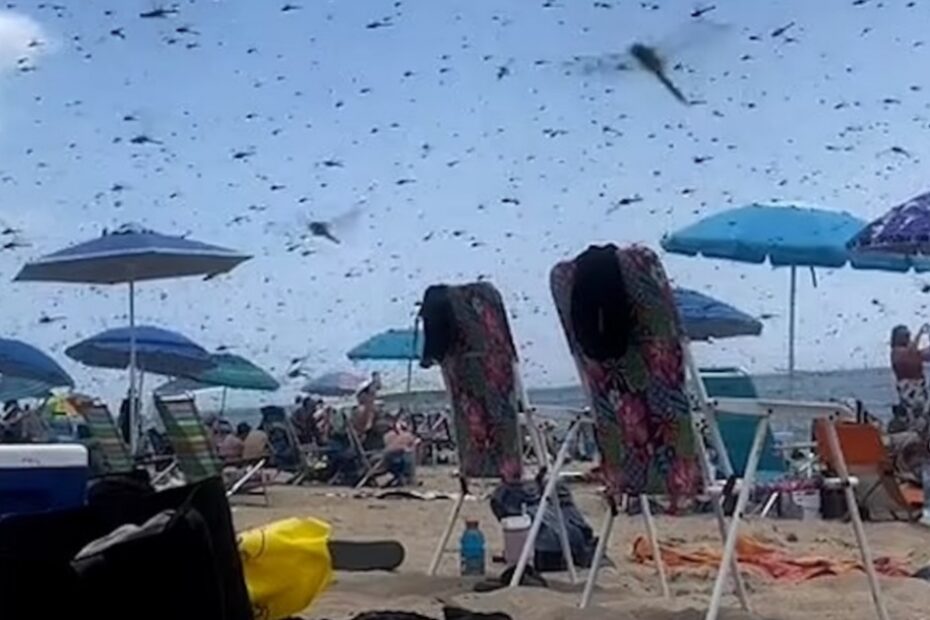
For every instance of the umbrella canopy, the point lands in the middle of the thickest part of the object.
(393, 344)
(903, 231)
(234, 371)
(13, 388)
(334, 384)
(157, 351)
(131, 254)
(705, 318)
(24, 361)
(785, 235)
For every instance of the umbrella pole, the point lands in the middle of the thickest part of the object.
(792, 302)
(133, 412)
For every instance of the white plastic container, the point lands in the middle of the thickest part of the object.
(40, 477)
(809, 503)
(515, 533)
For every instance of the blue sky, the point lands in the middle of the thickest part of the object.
(474, 147)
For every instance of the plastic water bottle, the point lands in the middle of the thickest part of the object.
(471, 547)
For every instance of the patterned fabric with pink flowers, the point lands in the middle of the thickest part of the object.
(641, 409)
(479, 369)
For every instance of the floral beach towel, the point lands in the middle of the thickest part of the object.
(623, 329)
(467, 333)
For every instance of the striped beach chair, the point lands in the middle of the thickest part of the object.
(196, 455)
(109, 453)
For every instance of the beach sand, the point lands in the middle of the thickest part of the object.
(628, 591)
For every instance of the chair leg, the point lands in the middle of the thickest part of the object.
(245, 478)
(560, 515)
(654, 542)
(447, 532)
(599, 551)
(530, 543)
(770, 503)
(729, 560)
(853, 508)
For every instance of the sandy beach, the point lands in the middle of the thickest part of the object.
(627, 591)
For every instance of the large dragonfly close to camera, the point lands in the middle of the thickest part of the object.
(655, 59)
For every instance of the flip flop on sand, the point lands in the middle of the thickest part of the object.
(354, 556)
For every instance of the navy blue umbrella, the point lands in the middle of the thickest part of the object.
(128, 255)
(24, 361)
(157, 350)
(706, 318)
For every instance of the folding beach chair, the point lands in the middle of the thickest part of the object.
(737, 431)
(467, 332)
(109, 454)
(196, 454)
(287, 453)
(622, 327)
(869, 461)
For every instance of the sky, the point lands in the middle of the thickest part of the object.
(464, 139)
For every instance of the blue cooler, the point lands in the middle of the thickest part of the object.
(40, 477)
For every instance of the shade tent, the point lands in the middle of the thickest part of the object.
(24, 361)
(785, 236)
(128, 255)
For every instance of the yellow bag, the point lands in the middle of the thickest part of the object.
(287, 566)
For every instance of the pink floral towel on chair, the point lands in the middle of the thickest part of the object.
(466, 331)
(623, 329)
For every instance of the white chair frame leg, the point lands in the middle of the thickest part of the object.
(599, 551)
(654, 543)
(551, 480)
(447, 531)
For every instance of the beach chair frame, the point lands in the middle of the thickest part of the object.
(547, 471)
(214, 464)
(829, 412)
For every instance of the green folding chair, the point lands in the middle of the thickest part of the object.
(196, 455)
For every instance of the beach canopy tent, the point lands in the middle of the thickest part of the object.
(334, 384)
(24, 361)
(128, 255)
(786, 236)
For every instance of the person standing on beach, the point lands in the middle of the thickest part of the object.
(907, 362)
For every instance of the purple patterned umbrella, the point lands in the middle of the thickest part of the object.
(903, 230)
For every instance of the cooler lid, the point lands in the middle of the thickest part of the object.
(23, 456)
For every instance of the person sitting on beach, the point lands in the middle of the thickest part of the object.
(255, 444)
(304, 421)
(907, 362)
(230, 445)
(400, 453)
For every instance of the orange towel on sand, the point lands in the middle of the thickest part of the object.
(762, 559)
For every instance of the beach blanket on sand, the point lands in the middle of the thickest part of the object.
(622, 326)
(762, 559)
(466, 331)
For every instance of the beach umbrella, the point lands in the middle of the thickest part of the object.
(128, 255)
(902, 234)
(230, 371)
(334, 384)
(156, 350)
(390, 345)
(785, 236)
(23, 361)
(14, 388)
(705, 318)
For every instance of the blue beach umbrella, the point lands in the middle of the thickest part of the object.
(706, 318)
(391, 345)
(20, 360)
(128, 255)
(157, 350)
(785, 236)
